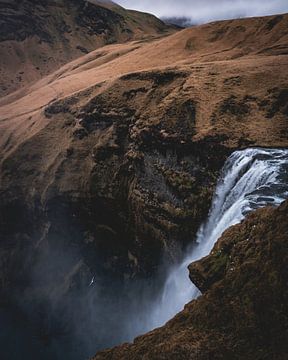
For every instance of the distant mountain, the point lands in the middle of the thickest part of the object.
(178, 21)
(38, 36)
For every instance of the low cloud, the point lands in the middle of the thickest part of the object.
(202, 11)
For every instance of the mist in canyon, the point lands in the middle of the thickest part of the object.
(56, 319)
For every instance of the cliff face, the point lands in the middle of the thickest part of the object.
(118, 152)
(242, 313)
(38, 37)
(113, 158)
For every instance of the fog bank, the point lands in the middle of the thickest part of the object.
(203, 11)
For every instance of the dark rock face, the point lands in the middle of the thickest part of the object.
(243, 312)
(98, 20)
(22, 19)
(120, 191)
(149, 186)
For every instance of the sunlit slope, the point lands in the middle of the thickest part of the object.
(231, 67)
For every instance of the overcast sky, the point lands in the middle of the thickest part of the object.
(201, 11)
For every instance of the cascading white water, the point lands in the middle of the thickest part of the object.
(250, 179)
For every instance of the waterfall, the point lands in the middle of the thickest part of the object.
(250, 179)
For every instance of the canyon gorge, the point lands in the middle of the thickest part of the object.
(132, 150)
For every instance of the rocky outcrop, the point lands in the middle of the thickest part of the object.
(243, 311)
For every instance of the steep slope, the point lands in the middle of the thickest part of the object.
(38, 37)
(243, 311)
(115, 155)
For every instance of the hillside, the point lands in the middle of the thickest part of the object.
(115, 157)
(39, 36)
(124, 106)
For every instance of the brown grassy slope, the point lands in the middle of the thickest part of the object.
(37, 37)
(243, 313)
(237, 78)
